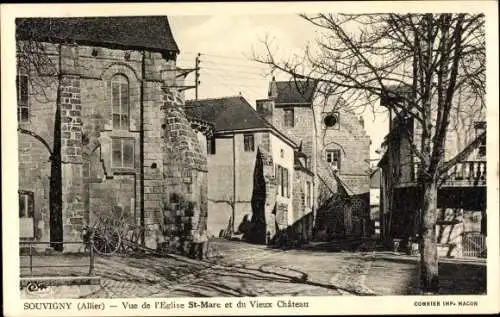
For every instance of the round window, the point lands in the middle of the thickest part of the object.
(330, 120)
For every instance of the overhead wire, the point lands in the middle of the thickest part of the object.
(233, 75)
(238, 73)
(237, 88)
(230, 81)
(240, 65)
(220, 56)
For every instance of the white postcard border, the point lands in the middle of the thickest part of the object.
(14, 306)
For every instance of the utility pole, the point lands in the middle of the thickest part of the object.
(183, 72)
(197, 75)
(233, 229)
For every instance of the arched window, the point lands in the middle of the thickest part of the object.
(121, 102)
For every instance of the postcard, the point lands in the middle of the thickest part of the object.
(250, 158)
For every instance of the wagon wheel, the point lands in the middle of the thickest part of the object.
(107, 242)
(126, 246)
(132, 236)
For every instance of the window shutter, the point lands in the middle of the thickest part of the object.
(287, 184)
(22, 206)
(279, 178)
(31, 205)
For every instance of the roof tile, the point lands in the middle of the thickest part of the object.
(226, 113)
(289, 92)
(230, 114)
(150, 32)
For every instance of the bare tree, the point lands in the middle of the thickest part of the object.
(418, 65)
(42, 71)
(40, 62)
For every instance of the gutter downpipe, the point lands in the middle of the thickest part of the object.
(141, 151)
(234, 184)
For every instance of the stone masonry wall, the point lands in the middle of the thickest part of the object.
(91, 186)
(354, 145)
(302, 226)
(34, 157)
(303, 130)
(153, 160)
(271, 185)
(71, 154)
(348, 136)
(185, 179)
(70, 108)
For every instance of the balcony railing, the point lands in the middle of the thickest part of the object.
(467, 173)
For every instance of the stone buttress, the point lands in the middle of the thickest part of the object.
(185, 198)
(69, 105)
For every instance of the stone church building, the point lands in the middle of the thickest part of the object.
(102, 130)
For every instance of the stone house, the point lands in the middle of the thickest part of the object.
(461, 224)
(337, 149)
(257, 178)
(102, 130)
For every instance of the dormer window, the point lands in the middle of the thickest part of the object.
(121, 102)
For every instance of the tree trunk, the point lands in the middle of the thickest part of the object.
(55, 198)
(429, 281)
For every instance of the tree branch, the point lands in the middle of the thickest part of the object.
(38, 137)
(463, 154)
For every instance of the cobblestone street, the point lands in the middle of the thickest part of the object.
(253, 270)
(244, 270)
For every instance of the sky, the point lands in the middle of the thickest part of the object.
(226, 44)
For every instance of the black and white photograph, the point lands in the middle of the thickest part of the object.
(267, 156)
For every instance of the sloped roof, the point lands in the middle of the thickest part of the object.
(229, 114)
(375, 179)
(150, 32)
(344, 190)
(290, 92)
(226, 113)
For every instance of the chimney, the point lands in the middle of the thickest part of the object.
(265, 108)
(273, 89)
(362, 122)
